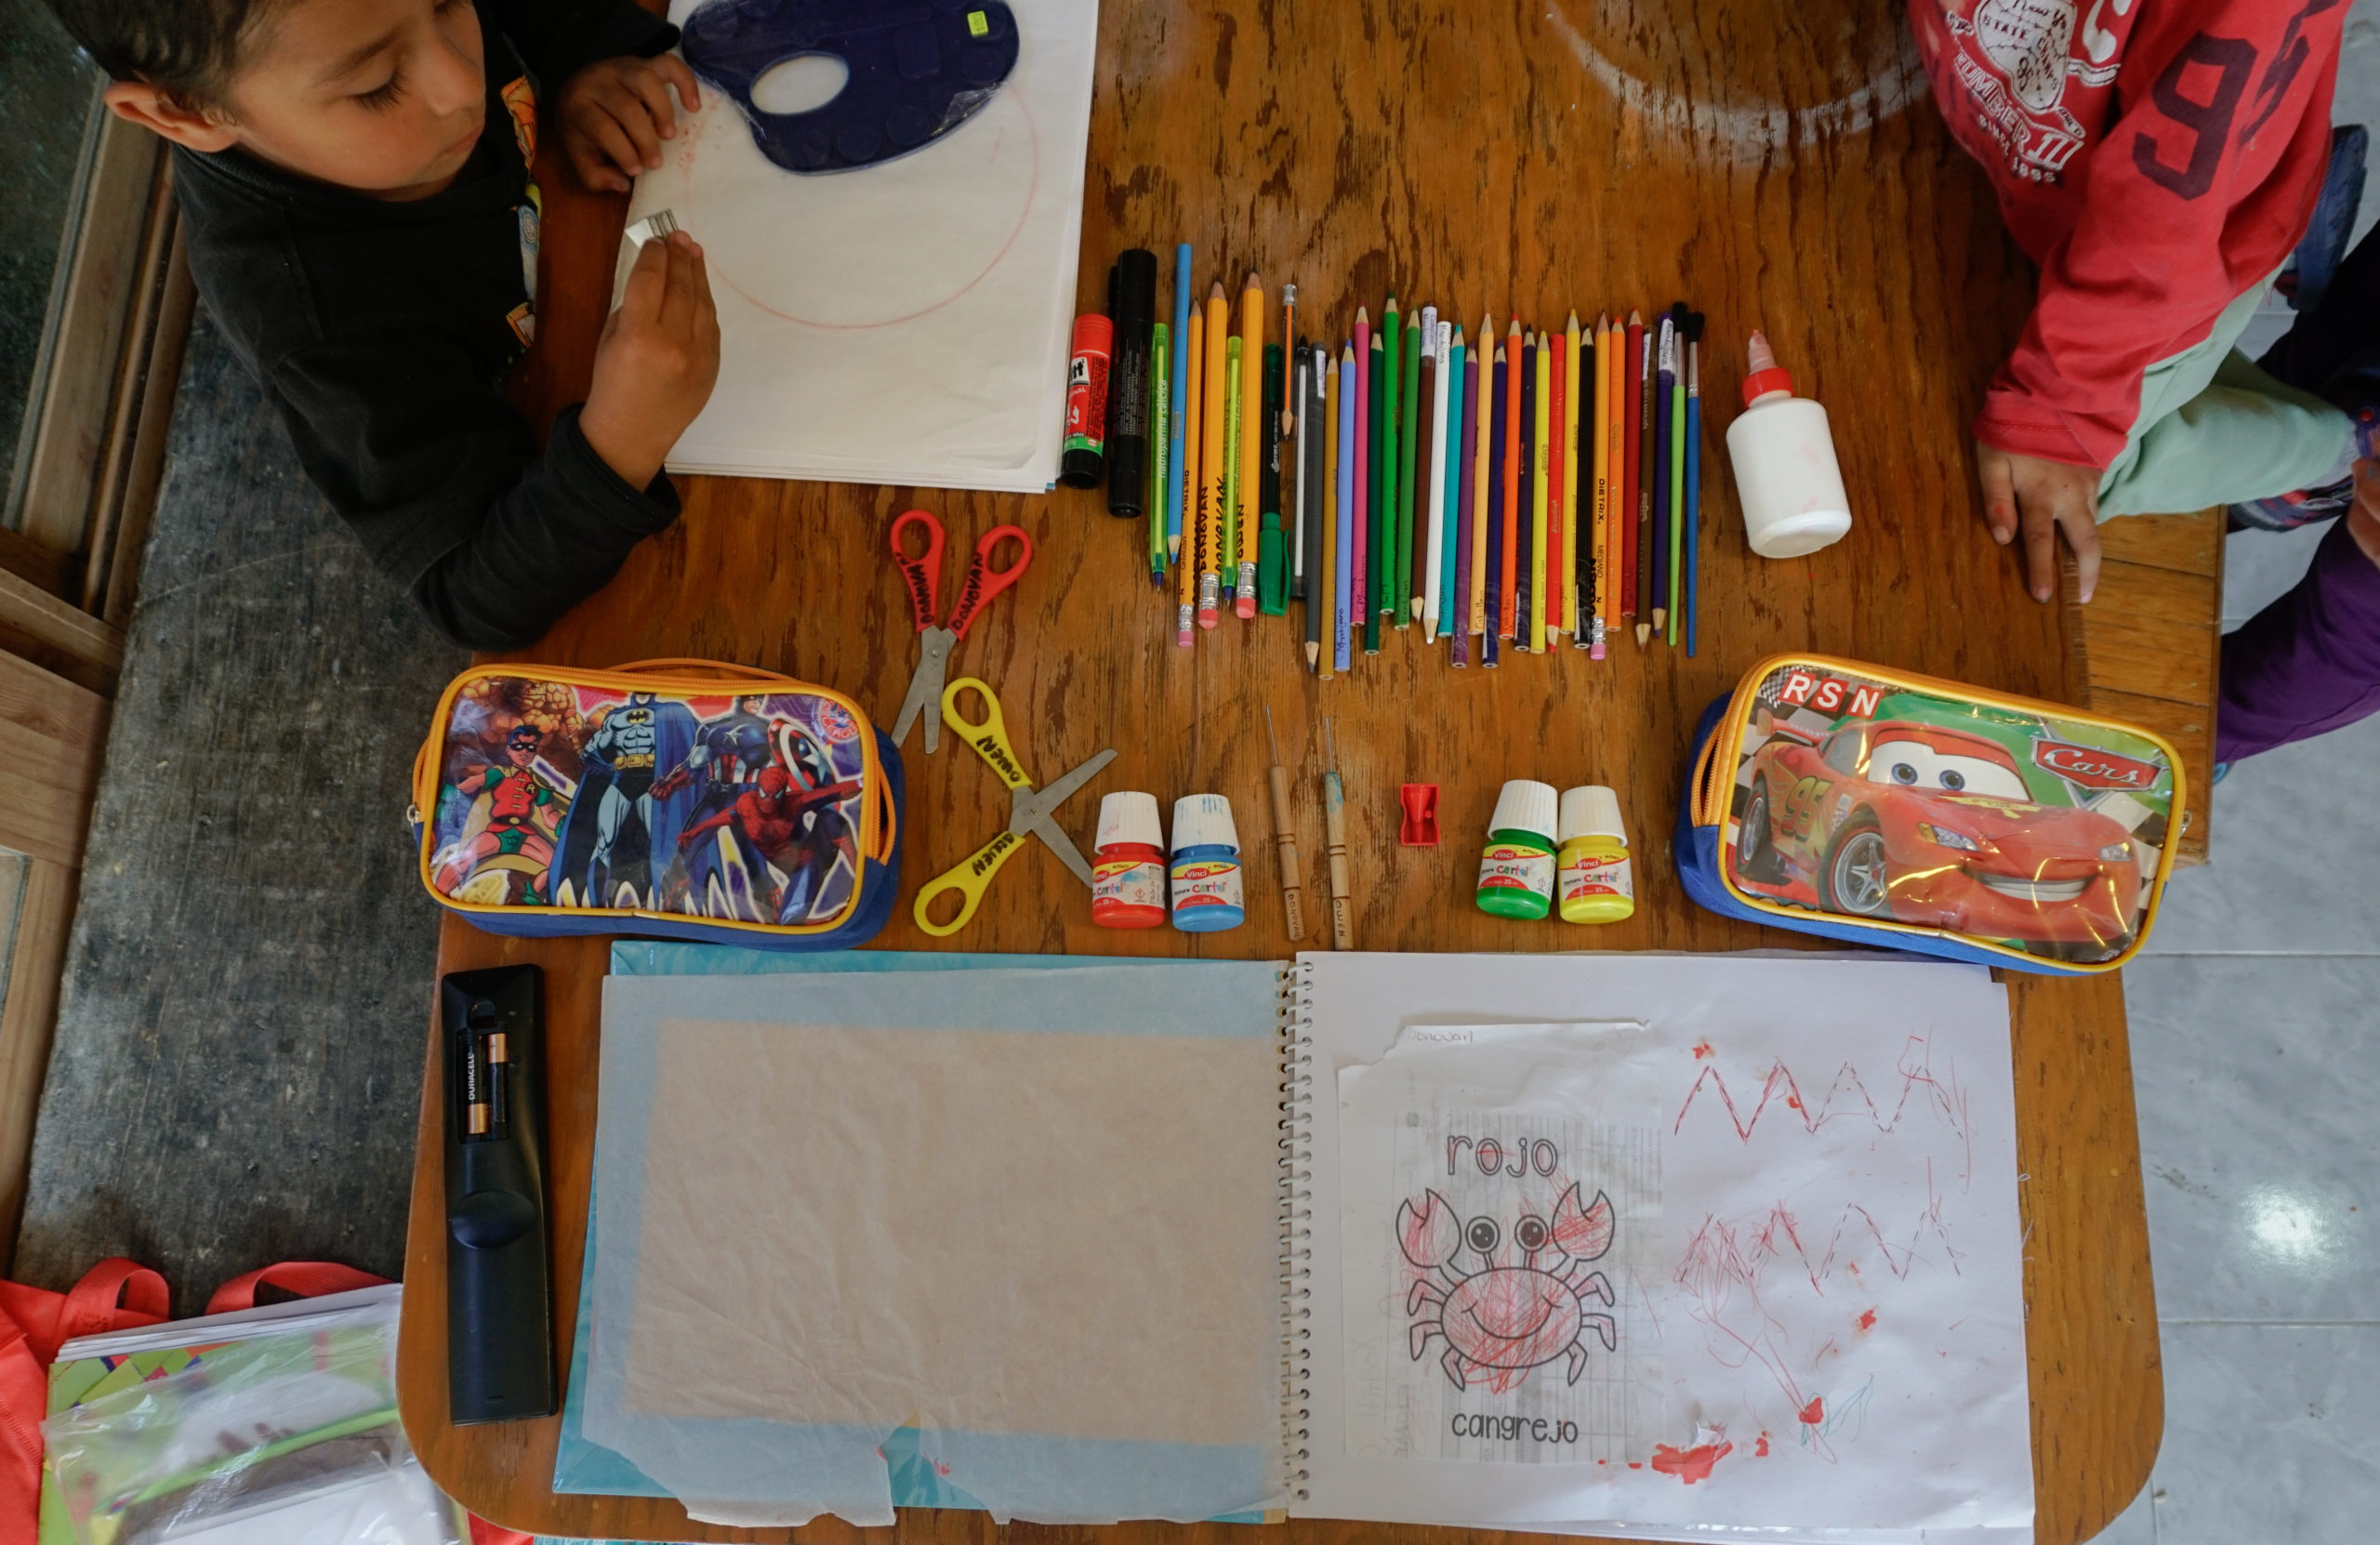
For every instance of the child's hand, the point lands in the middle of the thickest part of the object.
(615, 113)
(2048, 497)
(656, 362)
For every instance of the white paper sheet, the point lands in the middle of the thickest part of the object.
(905, 323)
(1839, 1305)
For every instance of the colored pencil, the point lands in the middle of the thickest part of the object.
(1418, 448)
(1210, 462)
(1322, 586)
(1464, 403)
(1293, 448)
(1189, 566)
(1664, 433)
(1360, 597)
(1246, 511)
(1623, 527)
(1383, 504)
(1624, 448)
(1433, 588)
(1606, 570)
(1676, 470)
(1343, 600)
(1504, 458)
(1576, 596)
(1314, 430)
(1386, 422)
(1161, 512)
(1238, 431)
(1483, 482)
(1183, 444)
(1526, 519)
(1293, 409)
(1408, 450)
(1545, 502)
(1640, 469)
(1693, 468)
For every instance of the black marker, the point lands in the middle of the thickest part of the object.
(1133, 305)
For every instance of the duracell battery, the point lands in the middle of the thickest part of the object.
(1134, 309)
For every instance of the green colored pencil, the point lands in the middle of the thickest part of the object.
(1375, 501)
(1392, 462)
(1160, 445)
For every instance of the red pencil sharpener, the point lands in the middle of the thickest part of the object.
(1419, 827)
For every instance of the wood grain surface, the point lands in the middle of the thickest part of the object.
(1778, 165)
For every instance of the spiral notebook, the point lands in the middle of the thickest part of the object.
(1658, 1244)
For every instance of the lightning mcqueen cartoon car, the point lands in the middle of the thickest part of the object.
(1932, 825)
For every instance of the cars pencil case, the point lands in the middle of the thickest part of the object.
(1883, 808)
(678, 799)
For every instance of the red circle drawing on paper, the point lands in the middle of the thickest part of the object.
(781, 242)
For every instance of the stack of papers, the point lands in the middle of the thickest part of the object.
(903, 322)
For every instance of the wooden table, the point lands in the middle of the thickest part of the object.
(1775, 163)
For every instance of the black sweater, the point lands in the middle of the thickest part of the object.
(382, 332)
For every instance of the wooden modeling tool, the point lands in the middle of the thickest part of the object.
(1285, 836)
(1334, 835)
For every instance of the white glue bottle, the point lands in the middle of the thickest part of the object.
(1786, 476)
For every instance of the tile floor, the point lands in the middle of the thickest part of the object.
(2251, 1046)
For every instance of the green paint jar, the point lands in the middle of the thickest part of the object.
(1516, 866)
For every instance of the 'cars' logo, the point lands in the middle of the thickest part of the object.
(2092, 768)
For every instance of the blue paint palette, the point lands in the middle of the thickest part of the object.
(918, 70)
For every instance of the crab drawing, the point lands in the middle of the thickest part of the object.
(1504, 1319)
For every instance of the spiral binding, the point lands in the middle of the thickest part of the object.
(1297, 1227)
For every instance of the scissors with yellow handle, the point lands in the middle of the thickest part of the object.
(1028, 809)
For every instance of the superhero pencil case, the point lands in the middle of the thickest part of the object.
(680, 799)
(1882, 807)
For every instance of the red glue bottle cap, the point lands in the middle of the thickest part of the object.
(1764, 375)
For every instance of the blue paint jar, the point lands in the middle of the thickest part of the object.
(1205, 877)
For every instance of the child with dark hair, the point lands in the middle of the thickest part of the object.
(355, 177)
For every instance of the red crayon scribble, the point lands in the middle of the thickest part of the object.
(1868, 1320)
(1701, 1050)
(1634, 1465)
(1943, 1095)
(1815, 1412)
(1692, 1465)
(1760, 1449)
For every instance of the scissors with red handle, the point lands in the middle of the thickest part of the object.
(922, 573)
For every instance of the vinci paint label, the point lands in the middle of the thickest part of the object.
(1597, 875)
(1208, 894)
(1127, 893)
(1510, 866)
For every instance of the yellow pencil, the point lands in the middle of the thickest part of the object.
(1540, 612)
(1245, 517)
(1187, 567)
(1601, 476)
(1321, 581)
(1210, 462)
(1568, 622)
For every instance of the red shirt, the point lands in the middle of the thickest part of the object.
(2156, 158)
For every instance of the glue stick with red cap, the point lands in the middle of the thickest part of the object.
(1083, 455)
(1783, 453)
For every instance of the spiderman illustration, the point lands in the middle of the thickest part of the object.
(785, 822)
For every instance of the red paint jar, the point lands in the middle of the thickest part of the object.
(1128, 873)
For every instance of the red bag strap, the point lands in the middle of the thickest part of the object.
(308, 1279)
(114, 1295)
